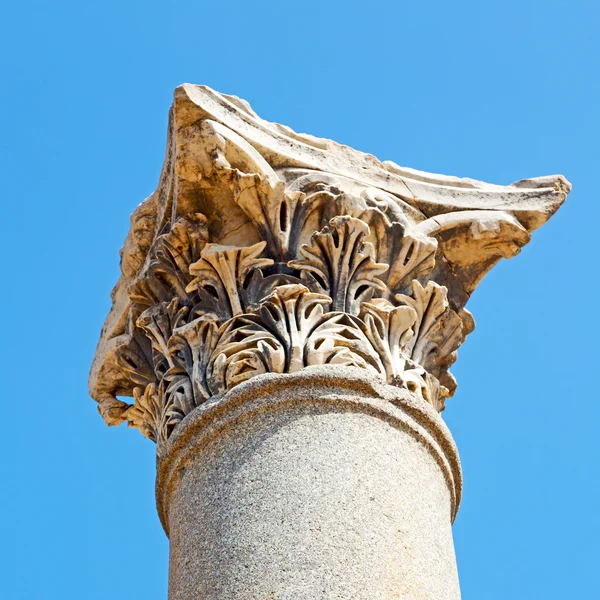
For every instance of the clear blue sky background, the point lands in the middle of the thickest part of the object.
(497, 91)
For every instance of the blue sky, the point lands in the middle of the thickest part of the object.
(496, 91)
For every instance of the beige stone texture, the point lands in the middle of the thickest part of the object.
(285, 320)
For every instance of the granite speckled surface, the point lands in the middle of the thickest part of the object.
(323, 484)
(285, 321)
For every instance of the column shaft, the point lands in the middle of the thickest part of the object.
(311, 486)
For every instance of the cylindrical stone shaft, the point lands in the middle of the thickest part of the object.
(311, 486)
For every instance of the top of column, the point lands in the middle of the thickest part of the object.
(265, 250)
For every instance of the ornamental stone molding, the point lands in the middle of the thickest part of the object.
(268, 260)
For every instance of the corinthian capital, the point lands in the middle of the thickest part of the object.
(267, 251)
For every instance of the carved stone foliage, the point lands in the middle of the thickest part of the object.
(261, 265)
(217, 315)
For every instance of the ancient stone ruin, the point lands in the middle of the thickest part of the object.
(286, 318)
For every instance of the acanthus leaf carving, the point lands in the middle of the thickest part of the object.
(366, 208)
(134, 361)
(278, 214)
(159, 323)
(246, 348)
(172, 254)
(242, 314)
(189, 351)
(360, 263)
(148, 413)
(410, 255)
(271, 337)
(220, 275)
(389, 328)
(260, 286)
(340, 340)
(424, 385)
(429, 303)
(341, 264)
(438, 331)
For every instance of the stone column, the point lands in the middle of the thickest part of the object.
(285, 321)
(323, 483)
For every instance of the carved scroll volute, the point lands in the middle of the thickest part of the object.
(327, 258)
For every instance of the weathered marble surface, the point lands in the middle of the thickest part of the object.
(263, 250)
(285, 321)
